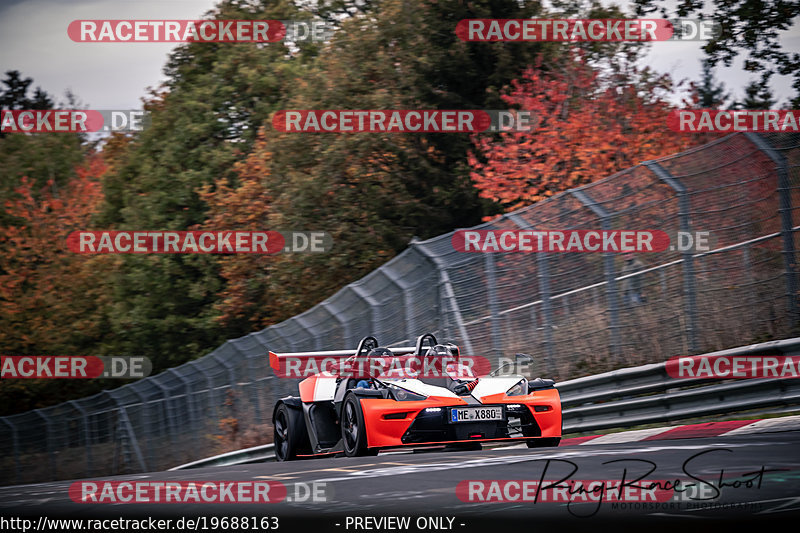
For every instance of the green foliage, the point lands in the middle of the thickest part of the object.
(757, 95)
(749, 27)
(711, 95)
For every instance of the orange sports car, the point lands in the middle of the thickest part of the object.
(361, 414)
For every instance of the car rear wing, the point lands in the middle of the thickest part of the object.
(276, 358)
(364, 345)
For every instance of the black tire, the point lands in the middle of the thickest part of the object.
(354, 431)
(290, 435)
(547, 442)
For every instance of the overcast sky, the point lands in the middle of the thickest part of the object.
(33, 40)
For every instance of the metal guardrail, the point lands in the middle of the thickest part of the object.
(648, 395)
(633, 396)
(256, 454)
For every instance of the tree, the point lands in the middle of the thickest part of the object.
(711, 95)
(750, 27)
(586, 130)
(246, 207)
(15, 93)
(371, 192)
(758, 95)
(52, 301)
(203, 120)
(45, 158)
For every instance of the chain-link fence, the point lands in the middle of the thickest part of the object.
(572, 311)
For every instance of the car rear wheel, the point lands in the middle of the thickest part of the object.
(289, 433)
(354, 431)
(547, 442)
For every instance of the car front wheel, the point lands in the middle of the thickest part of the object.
(354, 431)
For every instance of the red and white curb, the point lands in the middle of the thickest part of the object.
(708, 429)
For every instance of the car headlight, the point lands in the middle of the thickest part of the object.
(520, 389)
(403, 395)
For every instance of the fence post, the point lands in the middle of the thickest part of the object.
(608, 267)
(49, 441)
(310, 332)
(86, 435)
(447, 287)
(15, 444)
(146, 420)
(689, 279)
(787, 225)
(125, 423)
(190, 403)
(168, 416)
(231, 376)
(229, 368)
(543, 273)
(403, 288)
(494, 311)
(189, 399)
(253, 391)
(343, 324)
(212, 401)
(373, 308)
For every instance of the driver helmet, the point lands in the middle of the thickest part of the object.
(380, 352)
(440, 350)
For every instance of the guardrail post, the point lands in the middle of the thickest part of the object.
(87, 439)
(787, 225)
(491, 292)
(446, 293)
(608, 267)
(689, 283)
(15, 444)
(543, 273)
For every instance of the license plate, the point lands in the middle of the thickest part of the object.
(475, 414)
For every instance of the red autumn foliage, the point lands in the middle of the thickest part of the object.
(588, 126)
(51, 299)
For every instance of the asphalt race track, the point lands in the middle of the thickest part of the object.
(760, 474)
